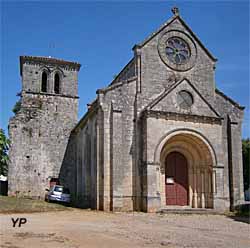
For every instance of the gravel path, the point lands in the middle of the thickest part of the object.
(82, 228)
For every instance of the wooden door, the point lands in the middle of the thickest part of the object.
(54, 181)
(176, 179)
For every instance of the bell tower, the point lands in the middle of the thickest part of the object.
(40, 130)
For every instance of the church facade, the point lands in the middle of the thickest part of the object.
(161, 134)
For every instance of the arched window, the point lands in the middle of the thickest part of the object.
(57, 84)
(44, 82)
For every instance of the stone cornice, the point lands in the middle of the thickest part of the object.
(49, 94)
(68, 65)
(181, 117)
(152, 163)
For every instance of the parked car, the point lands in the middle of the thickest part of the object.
(57, 193)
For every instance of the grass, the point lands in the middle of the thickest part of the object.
(243, 211)
(24, 205)
(240, 211)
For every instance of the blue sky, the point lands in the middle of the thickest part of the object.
(100, 36)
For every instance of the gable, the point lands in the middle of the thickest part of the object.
(176, 22)
(156, 66)
(170, 101)
(176, 27)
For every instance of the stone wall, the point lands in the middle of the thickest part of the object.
(79, 167)
(118, 151)
(155, 75)
(126, 73)
(105, 158)
(232, 115)
(39, 132)
(32, 68)
(108, 160)
(158, 130)
(126, 177)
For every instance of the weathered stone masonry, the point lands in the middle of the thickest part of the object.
(40, 130)
(163, 102)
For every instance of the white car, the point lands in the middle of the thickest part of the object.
(58, 193)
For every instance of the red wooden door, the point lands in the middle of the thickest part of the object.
(54, 181)
(176, 179)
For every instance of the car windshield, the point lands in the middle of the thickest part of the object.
(61, 189)
(58, 189)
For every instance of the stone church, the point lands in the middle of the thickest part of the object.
(159, 134)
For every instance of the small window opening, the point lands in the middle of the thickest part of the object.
(44, 82)
(57, 84)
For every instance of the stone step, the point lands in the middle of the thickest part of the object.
(189, 211)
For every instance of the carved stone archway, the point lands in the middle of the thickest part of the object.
(201, 161)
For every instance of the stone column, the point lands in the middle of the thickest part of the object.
(210, 188)
(118, 163)
(237, 166)
(163, 188)
(202, 190)
(195, 205)
(106, 159)
(219, 202)
(213, 182)
(206, 190)
(153, 195)
(198, 187)
(97, 165)
(190, 179)
(214, 190)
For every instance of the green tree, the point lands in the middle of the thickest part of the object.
(246, 162)
(17, 107)
(4, 147)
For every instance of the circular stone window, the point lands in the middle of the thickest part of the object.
(177, 50)
(185, 99)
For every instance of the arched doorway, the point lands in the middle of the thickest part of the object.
(199, 168)
(176, 179)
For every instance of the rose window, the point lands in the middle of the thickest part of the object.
(177, 50)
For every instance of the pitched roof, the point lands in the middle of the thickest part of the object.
(122, 70)
(173, 18)
(229, 99)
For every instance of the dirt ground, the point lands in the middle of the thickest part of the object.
(83, 228)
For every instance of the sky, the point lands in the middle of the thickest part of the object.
(100, 36)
